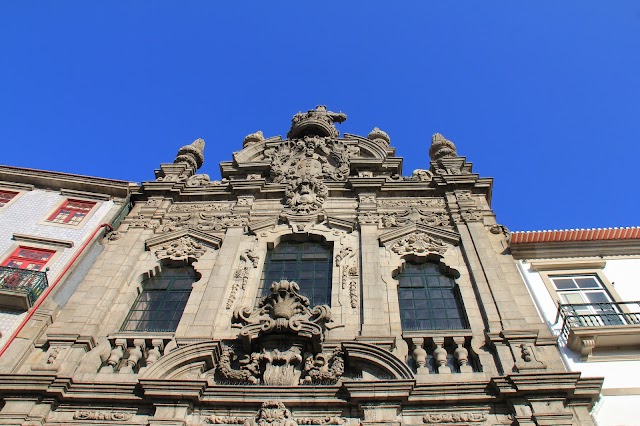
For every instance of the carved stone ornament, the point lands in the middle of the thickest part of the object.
(199, 181)
(213, 222)
(192, 154)
(197, 207)
(253, 138)
(500, 229)
(181, 249)
(454, 418)
(316, 122)
(274, 413)
(369, 218)
(173, 223)
(141, 221)
(411, 202)
(471, 215)
(282, 343)
(306, 194)
(422, 175)
(441, 148)
(312, 156)
(414, 215)
(419, 244)
(248, 259)
(102, 415)
(379, 137)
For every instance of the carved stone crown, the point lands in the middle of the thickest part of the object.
(318, 122)
(192, 154)
(441, 147)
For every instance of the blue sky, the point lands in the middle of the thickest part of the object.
(543, 96)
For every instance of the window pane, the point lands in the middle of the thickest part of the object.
(587, 282)
(563, 283)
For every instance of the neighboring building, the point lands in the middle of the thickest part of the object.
(50, 228)
(586, 284)
(312, 285)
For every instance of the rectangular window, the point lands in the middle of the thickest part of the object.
(72, 212)
(586, 300)
(6, 196)
(28, 258)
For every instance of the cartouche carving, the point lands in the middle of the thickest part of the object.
(419, 244)
(282, 340)
(181, 249)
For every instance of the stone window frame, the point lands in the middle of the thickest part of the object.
(61, 203)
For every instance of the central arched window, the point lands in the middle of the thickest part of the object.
(307, 263)
(429, 300)
(160, 305)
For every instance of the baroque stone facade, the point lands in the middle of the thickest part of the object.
(342, 343)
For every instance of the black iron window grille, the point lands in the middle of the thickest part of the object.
(159, 307)
(580, 315)
(429, 300)
(308, 263)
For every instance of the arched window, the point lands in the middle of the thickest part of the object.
(160, 305)
(307, 263)
(428, 299)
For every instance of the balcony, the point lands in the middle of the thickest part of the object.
(606, 327)
(20, 288)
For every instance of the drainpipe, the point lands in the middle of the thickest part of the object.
(49, 289)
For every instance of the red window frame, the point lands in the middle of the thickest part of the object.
(72, 212)
(6, 196)
(28, 258)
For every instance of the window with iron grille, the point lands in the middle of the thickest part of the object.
(71, 212)
(308, 263)
(6, 196)
(160, 305)
(428, 299)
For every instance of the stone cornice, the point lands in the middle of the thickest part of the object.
(58, 181)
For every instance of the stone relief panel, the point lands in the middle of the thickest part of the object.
(274, 413)
(248, 259)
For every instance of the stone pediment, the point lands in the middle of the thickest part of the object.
(186, 244)
(419, 239)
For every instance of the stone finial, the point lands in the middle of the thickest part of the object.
(441, 147)
(253, 138)
(317, 122)
(192, 154)
(379, 136)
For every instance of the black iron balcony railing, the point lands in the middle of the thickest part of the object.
(580, 315)
(29, 282)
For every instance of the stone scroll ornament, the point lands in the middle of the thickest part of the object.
(281, 343)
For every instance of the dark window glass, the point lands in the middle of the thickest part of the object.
(429, 300)
(309, 264)
(160, 305)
